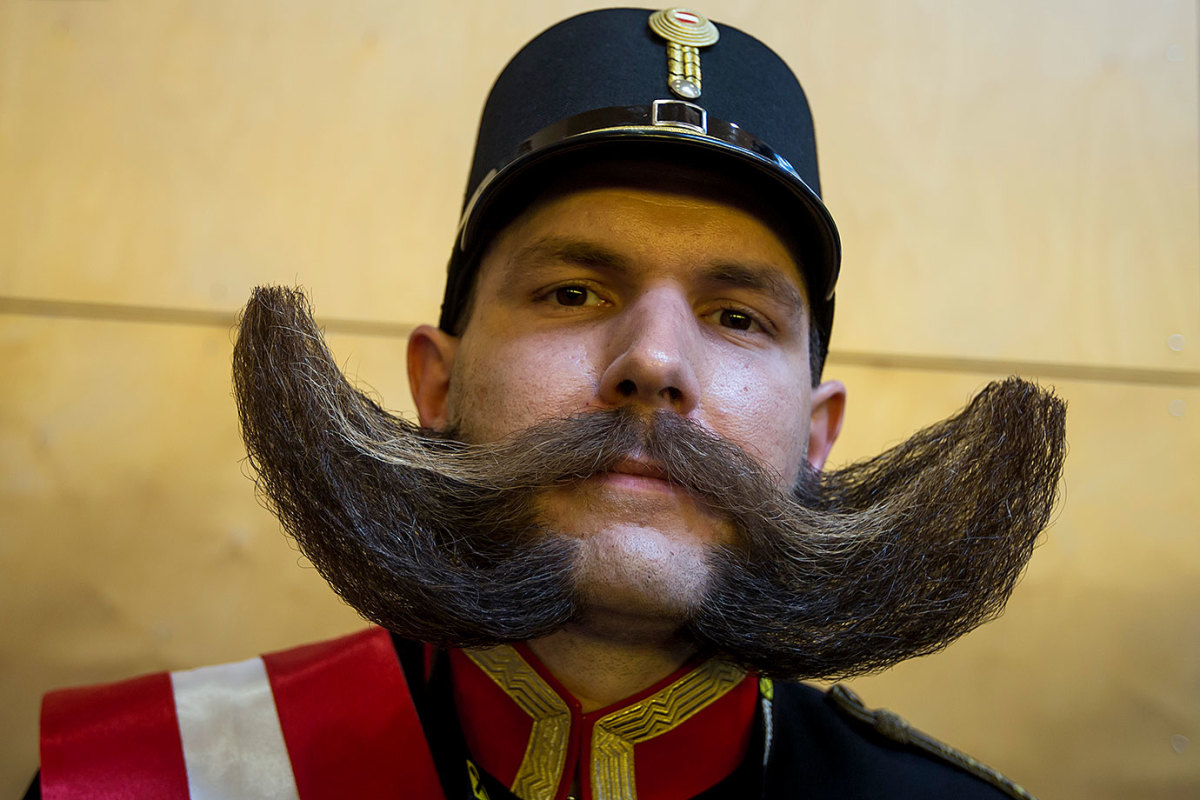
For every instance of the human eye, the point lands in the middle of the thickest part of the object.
(737, 319)
(572, 295)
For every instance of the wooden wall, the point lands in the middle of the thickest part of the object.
(1017, 186)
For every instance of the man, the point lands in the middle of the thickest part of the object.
(611, 532)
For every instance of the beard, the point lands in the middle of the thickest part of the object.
(851, 571)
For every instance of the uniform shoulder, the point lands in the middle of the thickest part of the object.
(340, 709)
(833, 738)
(897, 729)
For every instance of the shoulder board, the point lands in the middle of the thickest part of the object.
(897, 729)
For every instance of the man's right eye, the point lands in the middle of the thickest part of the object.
(571, 295)
(574, 296)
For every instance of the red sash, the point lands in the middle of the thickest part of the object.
(336, 717)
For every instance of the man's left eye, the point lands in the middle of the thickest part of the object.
(737, 320)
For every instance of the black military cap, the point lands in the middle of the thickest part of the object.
(625, 82)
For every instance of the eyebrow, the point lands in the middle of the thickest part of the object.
(756, 276)
(573, 251)
(759, 276)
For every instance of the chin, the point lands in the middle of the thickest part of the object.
(640, 579)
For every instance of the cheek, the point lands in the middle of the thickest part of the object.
(766, 411)
(509, 384)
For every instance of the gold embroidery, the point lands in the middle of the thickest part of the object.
(477, 787)
(542, 766)
(766, 691)
(614, 735)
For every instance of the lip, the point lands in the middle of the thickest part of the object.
(639, 468)
(639, 476)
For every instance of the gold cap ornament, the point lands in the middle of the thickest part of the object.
(686, 32)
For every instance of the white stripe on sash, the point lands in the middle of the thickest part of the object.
(232, 743)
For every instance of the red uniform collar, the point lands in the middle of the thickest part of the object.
(672, 741)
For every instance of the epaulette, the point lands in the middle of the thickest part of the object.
(897, 729)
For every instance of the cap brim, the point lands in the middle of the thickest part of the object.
(814, 230)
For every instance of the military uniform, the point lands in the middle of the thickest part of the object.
(373, 716)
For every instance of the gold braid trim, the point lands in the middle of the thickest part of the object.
(614, 735)
(545, 755)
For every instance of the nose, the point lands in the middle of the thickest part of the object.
(656, 346)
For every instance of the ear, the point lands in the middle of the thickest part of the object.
(828, 405)
(430, 360)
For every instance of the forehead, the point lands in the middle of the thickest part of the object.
(653, 212)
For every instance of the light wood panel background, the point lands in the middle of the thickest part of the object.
(1017, 186)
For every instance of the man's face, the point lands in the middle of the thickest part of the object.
(607, 319)
(625, 295)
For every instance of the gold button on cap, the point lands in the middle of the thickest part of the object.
(684, 26)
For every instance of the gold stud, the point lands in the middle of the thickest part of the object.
(686, 32)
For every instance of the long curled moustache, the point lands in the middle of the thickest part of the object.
(853, 571)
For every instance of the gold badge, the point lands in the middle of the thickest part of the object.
(686, 32)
